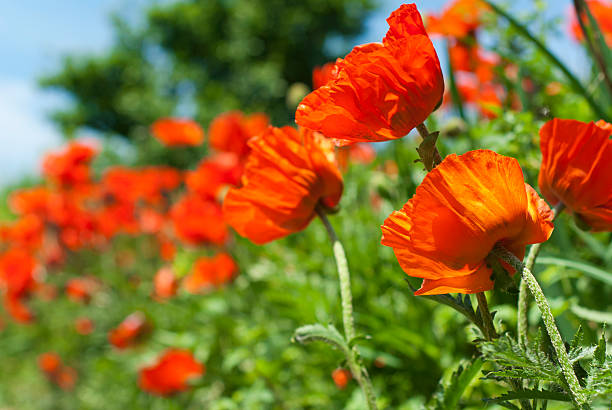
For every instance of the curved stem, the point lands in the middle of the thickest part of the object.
(523, 298)
(549, 322)
(359, 372)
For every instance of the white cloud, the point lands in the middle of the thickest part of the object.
(25, 132)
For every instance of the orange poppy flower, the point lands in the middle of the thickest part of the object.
(171, 373)
(230, 132)
(70, 166)
(130, 331)
(577, 169)
(381, 91)
(81, 289)
(17, 271)
(84, 325)
(213, 174)
(167, 248)
(26, 232)
(210, 272)
(602, 13)
(165, 283)
(49, 362)
(341, 377)
(197, 221)
(324, 74)
(287, 174)
(66, 378)
(461, 210)
(459, 19)
(176, 132)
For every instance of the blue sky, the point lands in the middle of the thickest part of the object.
(35, 34)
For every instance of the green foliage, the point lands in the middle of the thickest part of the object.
(449, 392)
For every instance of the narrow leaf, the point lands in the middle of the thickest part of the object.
(589, 270)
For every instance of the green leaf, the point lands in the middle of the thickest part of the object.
(600, 351)
(448, 394)
(592, 315)
(317, 332)
(585, 268)
(578, 338)
(427, 150)
(530, 394)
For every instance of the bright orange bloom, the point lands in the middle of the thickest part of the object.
(81, 289)
(381, 91)
(459, 19)
(84, 325)
(49, 362)
(602, 13)
(165, 283)
(213, 174)
(324, 74)
(147, 184)
(341, 377)
(70, 166)
(210, 272)
(30, 201)
(288, 173)
(230, 131)
(577, 169)
(197, 221)
(130, 331)
(17, 268)
(462, 209)
(175, 132)
(171, 373)
(26, 232)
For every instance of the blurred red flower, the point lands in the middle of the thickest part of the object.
(381, 91)
(130, 331)
(17, 279)
(81, 289)
(214, 174)
(210, 272)
(84, 326)
(230, 131)
(341, 377)
(602, 13)
(171, 373)
(175, 132)
(459, 19)
(577, 169)
(165, 283)
(49, 362)
(70, 166)
(462, 209)
(288, 173)
(198, 221)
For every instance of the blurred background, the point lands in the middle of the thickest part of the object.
(82, 68)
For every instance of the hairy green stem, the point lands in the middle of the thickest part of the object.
(567, 369)
(487, 319)
(346, 296)
(523, 298)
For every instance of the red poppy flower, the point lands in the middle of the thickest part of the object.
(165, 283)
(66, 378)
(341, 377)
(171, 373)
(459, 19)
(461, 210)
(26, 232)
(81, 289)
(70, 166)
(602, 13)
(302, 163)
(210, 272)
(198, 221)
(381, 91)
(167, 248)
(174, 132)
(84, 326)
(49, 362)
(324, 74)
(230, 132)
(214, 174)
(577, 169)
(130, 331)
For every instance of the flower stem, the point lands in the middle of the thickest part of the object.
(359, 372)
(523, 298)
(486, 316)
(549, 321)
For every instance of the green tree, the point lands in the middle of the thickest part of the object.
(203, 57)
